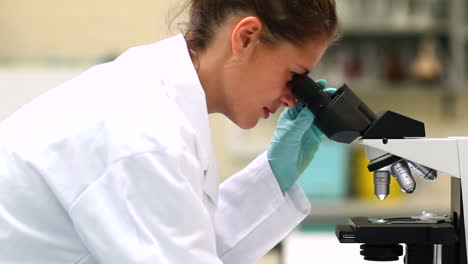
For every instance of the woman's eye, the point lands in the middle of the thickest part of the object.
(292, 75)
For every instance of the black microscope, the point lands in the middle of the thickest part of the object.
(395, 145)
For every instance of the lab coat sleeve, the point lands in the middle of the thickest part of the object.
(145, 209)
(253, 215)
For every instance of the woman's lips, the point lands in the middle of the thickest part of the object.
(266, 112)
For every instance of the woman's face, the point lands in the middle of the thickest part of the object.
(260, 84)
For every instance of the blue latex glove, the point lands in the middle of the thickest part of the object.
(294, 143)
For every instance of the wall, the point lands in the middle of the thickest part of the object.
(80, 28)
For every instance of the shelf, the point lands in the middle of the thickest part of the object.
(395, 31)
(401, 88)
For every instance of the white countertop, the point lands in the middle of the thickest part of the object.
(322, 248)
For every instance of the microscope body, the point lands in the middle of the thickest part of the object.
(447, 155)
(427, 242)
(394, 143)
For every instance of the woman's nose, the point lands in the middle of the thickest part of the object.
(288, 100)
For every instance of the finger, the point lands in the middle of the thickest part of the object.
(322, 83)
(291, 113)
(304, 120)
(330, 91)
(296, 109)
(313, 134)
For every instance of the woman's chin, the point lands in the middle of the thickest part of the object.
(246, 123)
(242, 120)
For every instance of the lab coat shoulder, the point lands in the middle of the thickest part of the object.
(110, 112)
(154, 193)
(119, 155)
(131, 102)
(149, 125)
(149, 188)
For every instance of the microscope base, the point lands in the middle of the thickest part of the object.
(425, 242)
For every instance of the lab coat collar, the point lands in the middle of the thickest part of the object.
(185, 89)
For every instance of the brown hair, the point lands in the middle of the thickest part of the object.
(290, 20)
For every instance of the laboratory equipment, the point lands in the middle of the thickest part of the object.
(381, 183)
(395, 145)
(402, 174)
(428, 238)
(343, 117)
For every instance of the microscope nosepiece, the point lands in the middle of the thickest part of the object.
(381, 184)
(402, 174)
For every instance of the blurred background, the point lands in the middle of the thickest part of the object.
(408, 56)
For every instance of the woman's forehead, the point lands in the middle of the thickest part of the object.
(305, 55)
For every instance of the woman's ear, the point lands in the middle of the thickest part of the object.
(246, 32)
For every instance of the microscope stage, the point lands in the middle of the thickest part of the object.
(366, 230)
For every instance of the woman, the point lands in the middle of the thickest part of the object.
(116, 165)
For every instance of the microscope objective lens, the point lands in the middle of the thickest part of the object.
(425, 172)
(402, 174)
(381, 184)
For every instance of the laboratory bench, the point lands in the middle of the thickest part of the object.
(316, 247)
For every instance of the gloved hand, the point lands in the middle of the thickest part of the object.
(294, 143)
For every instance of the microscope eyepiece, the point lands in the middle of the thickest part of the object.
(343, 116)
(310, 93)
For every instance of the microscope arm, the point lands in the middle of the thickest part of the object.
(448, 155)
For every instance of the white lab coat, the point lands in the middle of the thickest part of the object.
(117, 166)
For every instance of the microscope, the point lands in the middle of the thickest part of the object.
(395, 146)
